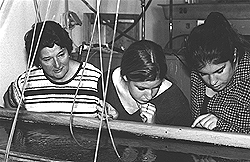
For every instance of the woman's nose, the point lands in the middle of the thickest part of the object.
(149, 94)
(213, 80)
(56, 63)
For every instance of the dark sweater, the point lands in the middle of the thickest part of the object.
(172, 107)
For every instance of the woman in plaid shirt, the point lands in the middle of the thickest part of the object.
(219, 60)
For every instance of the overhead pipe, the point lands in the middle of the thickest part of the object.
(136, 21)
(143, 19)
(122, 33)
(170, 24)
(106, 21)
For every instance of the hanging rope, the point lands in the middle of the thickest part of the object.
(108, 72)
(38, 16)
(28, 70)
(1, 5)
(84, 65)
(100, 51)
(104, 110)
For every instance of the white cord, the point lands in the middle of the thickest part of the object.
(108, 71)
(23, 89)
(105, 90)
(84, 65)
(100, 51)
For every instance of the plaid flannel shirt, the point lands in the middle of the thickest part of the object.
(232, 104)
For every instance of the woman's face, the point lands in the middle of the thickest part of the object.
(217, 76)
(143, 92)
(55, 62)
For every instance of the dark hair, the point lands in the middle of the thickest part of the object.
(52, 34)
(215, 42)
(144, 61)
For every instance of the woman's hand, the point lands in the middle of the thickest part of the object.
(148, 113)
(111, 111)
(208, 121)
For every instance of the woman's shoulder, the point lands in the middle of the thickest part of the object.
(31, 72)
(169, 85)
(174, 88)
(243, 69)
(89, 66)
(174, 91)
(89, 69)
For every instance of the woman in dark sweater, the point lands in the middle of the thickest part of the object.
(139, 91)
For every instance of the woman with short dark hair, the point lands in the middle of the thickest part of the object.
(54, 77)
(220, 79)
(140, 91)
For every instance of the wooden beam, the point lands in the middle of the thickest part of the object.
(140, 142)
(24, 157)
(153, 130)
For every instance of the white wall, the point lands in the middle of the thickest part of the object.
(21, 16)
(12, 59)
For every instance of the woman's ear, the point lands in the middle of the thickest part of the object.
(235, 55)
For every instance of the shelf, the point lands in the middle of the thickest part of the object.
(200, 11)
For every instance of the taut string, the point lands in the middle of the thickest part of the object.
(24, 86)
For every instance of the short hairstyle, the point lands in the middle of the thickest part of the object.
(215, 42)
(52, 33)
(144, 61)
